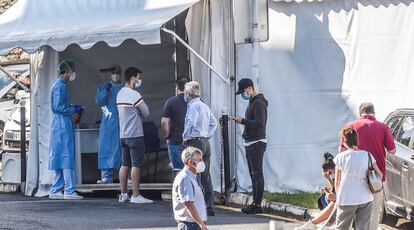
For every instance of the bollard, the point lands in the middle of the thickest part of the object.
(23, 141)
(276, 225)
(226, 150)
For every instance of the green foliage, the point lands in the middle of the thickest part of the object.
(302, 199)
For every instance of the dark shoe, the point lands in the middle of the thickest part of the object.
(252, 209)
(210, 212)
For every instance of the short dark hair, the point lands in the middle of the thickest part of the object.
(366, 108)
(131, 72)
(349, 136)
(328, 162)
(66, 65)
(181, 82)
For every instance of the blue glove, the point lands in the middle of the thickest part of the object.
(108, 87)
(78, 108)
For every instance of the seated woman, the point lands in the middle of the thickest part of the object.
(326, 201)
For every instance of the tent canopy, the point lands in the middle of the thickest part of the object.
(30, 24)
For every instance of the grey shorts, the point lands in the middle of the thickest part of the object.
(133, 150)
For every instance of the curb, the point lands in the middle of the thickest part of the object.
(239, 200)
(9, 187)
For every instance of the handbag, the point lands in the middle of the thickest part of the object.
(373, 179)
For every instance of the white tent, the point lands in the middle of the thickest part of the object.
(322, 59)
(94, 34)
(36, 23)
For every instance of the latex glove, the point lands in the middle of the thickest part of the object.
(108, 87)
(78, 108)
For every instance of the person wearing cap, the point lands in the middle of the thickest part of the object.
(109, 147)
(255, 141)
(62, 152)
(199, 126)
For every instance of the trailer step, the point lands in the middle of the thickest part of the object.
(116, 187)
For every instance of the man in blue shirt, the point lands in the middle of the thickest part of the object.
(199, 127)
(189, 206)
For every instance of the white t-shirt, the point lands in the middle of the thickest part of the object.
(132, 109)
(353, 188)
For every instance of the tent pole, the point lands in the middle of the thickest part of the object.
(195, 53)
(14, 79)
(255, 45)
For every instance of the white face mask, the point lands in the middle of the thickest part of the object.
(115, 77)
(138, 83)
(200, 167)
(72, 76)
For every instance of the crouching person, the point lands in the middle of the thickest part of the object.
(189, 207)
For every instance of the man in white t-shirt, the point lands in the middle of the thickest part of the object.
(132, 109)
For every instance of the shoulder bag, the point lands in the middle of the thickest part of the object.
(373, 179)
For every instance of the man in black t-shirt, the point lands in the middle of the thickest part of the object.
(172, 123)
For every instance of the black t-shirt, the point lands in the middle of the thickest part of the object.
(175, 108)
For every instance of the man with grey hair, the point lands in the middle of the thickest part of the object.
(199, 127)
(188, 201)
(374, 137)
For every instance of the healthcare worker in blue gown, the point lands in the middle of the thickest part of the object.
(61, 149)
(109, 147)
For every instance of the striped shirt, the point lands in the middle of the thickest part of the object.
(132, 109)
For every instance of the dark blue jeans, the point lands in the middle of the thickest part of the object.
(174, 152)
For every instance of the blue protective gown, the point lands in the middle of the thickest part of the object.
(62, 146)
(109, 149)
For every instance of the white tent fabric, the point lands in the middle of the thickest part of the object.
(212, 43)
(298, 0)
(30, 24)
(322, 60)
(43, 75)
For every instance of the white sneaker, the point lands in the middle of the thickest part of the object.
(140, 200)
(105, 181)
(73, 196)
(123, 198)
(56, 196)
(307, 226)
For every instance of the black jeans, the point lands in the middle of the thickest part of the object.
(188, 226)
(254, 155)
(205, 179)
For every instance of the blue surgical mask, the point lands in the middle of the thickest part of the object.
(186, 99)
(245, 96)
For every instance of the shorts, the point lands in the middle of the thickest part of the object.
(133, 151)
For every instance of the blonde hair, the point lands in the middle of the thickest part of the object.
(192, 88)
(190, 153)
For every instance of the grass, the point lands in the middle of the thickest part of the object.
(302, 199)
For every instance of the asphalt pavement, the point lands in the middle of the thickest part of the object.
(21, 212)
(102, 211)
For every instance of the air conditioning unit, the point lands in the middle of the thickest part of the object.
(11, 168)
